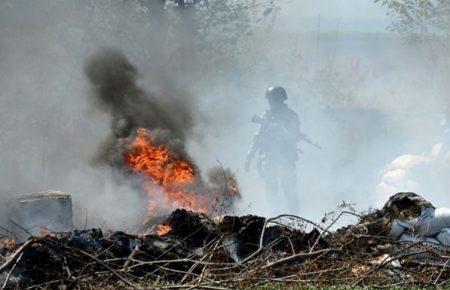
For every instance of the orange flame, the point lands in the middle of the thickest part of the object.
(166, 177)
(163, 230)
(43, 231)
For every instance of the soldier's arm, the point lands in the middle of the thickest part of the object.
(256, 141)
(252, 152)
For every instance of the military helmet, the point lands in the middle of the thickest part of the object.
(277, 92)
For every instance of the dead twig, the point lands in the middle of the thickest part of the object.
(110, 269)
(16, 255)
(12, 270)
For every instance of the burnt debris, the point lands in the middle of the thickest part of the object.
(194, 250)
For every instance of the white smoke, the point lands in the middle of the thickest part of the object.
(414, 173)
(366, 97)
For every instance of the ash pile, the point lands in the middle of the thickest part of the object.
(192, 250)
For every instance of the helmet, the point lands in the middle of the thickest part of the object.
(277, 93)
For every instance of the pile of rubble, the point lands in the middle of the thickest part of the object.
(233, 252)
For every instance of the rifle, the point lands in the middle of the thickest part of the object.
(303, 137)
(258, 120)
(256, 143)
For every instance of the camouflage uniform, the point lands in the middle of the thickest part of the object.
(276, 146)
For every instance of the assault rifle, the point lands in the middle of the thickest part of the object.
(303, 137)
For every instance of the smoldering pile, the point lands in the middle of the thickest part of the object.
(196, 251)
(193, 247)
(148, 138)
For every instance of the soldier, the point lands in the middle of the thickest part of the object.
(276, 145)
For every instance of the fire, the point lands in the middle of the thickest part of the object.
(43, 231)
(170, 181)
(163, 230)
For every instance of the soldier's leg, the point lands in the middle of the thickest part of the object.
(271, 191)
(289, 185)
(271, 180)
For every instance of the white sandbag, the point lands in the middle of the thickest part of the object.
(397, 229)
(408, 237)
(431, 221)
(444, 237)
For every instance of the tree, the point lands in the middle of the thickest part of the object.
(420, 18)
(220, 35)
(426, 24)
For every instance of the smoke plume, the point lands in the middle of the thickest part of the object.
(143, 125)
(114, 89)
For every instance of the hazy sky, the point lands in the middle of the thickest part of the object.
(358, 15)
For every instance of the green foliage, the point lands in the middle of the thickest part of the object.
(426, 23)
(232, 34)
(420, 18)
(215, 36)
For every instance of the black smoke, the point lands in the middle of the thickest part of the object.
(168, 112)
(113, 82)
